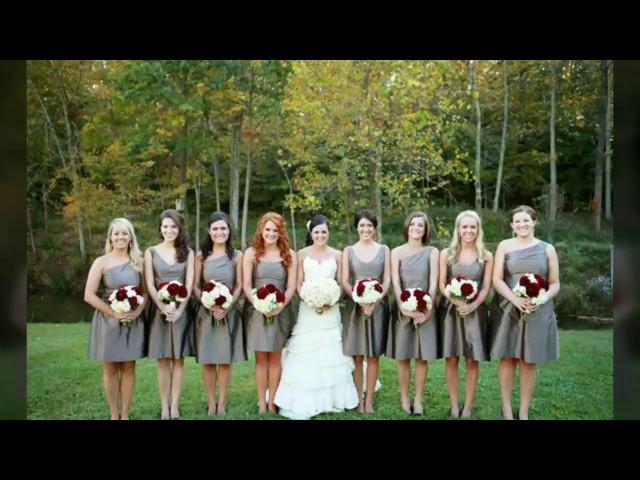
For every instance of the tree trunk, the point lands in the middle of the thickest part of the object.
(607, 178)
(214, 161)
(596, 204)
(378, 192)
(476, 102)
(247, 186)
(45, 208)
(503, 143)
(197, 187)
(553, 185)
(183, 171)
(234, 182)
(30, 229)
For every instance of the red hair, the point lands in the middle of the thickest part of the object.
(283, 239)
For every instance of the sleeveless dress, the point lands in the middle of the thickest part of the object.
(222, 344)
(166, 339)
(360, 336)
(536, 340)
(109, 341)
(405, 341)
(262, 337)
(316, 375)
(466, 336)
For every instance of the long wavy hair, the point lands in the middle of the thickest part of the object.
(181, 241)
(207, 244)
(283, 240)
(313, 223)
(454, 247)
(135, 254)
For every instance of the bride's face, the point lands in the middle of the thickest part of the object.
(320, 235)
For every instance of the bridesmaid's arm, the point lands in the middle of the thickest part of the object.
(150, 281)
(386, 276)
(346, 288)
(292, 276)
(237, 291)
(442, 273)
(395, 273)
(498, 280)
(434, 258)
(300, 275)
(91, 287)
(197, 293)
(247, 274)
(554, 272)
(188, 283)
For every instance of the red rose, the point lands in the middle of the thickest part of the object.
(208, 287)
(467, 289)
(422, 305)
(360, 289)
(262, 293)
(271, 288)
(533, 289)
(524, 281)
(173, 289)
(419, 294)
(279, 297)
(404, 296)
(377, 287)
(162, 285)
(541, 281)
(138, 291)
(460, 278)
(133, 301)
(183, 291)
(220, 300)
(121, 295)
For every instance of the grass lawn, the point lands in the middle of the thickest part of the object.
(62, 383)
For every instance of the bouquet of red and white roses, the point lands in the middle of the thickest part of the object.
(125, 299)
(367, 291)
(415, 300)
(266, 299)
(534, 287)
(320, 292)
(461, 288)
(172, 292)
(216, 293)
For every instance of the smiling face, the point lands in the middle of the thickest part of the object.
(416, 228)
(270, 233)
(522, 224)
(169, 229)
(468, 229)
(120, 237)
(320, 234)
(219, 232)
(366, 229)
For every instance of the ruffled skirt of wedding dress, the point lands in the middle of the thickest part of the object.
(316, 375)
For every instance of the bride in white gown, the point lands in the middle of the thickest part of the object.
(316, 375)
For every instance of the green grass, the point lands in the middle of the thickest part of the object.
(64, 384)
(12, 379)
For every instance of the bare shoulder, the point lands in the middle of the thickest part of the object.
(444, 253)
(505, 246)
(250, 252)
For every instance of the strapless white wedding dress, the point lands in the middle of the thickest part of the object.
(316, 375)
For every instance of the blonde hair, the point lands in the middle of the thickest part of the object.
(133, 249)
(454, 247)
